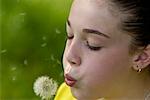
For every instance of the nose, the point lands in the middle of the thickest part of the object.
(73, 54)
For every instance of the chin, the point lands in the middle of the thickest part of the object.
(78, 94)
(82, 95)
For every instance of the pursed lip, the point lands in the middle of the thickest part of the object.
(70, 81)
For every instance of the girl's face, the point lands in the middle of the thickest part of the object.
(97, 51)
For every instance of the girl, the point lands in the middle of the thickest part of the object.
(107, 52)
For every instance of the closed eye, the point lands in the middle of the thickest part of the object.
(94, 48)
(70, 37)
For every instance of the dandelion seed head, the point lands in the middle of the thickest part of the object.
(45, 87)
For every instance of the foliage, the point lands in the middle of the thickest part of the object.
(32, 41)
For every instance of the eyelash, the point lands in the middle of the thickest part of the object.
(69, 37)
(93, 48)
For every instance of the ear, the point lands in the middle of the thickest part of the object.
(142, 60)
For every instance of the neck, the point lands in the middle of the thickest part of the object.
(136, 87)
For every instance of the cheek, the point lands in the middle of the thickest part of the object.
(64, 60)
(106, 66)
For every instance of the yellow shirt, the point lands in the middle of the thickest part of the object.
(64, 93)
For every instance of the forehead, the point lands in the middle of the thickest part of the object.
(95, 14)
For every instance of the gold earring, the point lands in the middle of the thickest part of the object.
(139, 70)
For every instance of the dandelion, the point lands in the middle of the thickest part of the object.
(45, 87)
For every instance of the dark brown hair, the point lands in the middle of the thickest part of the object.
(136, 20)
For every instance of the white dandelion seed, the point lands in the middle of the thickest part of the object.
(57, 31)
(52, 57)
(59, 62)
(25, 62)
(44, 38)
(13, 78)
(3, 51)
(22, 14)
(43, 45)
(45, 87)
(13, 68)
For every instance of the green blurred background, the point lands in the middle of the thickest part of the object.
(32, 37)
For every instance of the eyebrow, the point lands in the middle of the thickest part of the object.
(91, 31)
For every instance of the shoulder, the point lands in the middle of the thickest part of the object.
(64, 93)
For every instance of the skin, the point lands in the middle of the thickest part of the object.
(105, 71)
